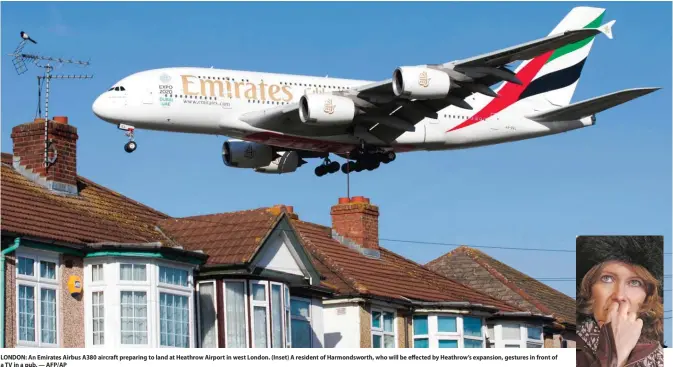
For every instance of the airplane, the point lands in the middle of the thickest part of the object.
(276, 121)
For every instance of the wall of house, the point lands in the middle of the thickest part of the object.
(72, 307)
(365, 325)
(10, 301)
(404, 330)
(341, 325)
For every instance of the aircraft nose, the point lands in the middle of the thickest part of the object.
(98, 107)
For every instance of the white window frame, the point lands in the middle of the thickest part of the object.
(38, 283)
(380, 331)
(307, 319)
(499, 342)
(421, 336)
(148, 272)
(173, 289)
(265, 303)
(198, 311)
(245, 310)
(91, 308)
(112, 288)
(287, 315)
(434, 335)
(282, 314)
(99, 286)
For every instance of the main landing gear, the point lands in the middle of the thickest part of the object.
(368, 161)
(363, 160)
(131, 145)
(327, 167)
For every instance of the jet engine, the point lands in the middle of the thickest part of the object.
(244, 154)
(325, 109)
(417, 82)
(286, 163)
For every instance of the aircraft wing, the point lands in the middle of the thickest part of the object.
(590, 106)
(384, 116)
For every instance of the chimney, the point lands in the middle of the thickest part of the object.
(29, 143)
(357, 220)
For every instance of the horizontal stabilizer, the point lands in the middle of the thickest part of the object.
(579, 110)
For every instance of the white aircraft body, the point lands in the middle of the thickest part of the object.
(277, 120)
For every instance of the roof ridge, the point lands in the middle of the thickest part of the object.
(260, 209)
(446, 278)
(470, 252)
(339, 272)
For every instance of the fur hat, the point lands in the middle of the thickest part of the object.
(646, 251)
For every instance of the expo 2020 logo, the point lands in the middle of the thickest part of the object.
(165, 78)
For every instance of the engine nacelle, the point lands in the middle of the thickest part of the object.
(325, 109)
(417, 82)
(286, 163)
(245, 154)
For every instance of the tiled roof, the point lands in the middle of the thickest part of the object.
(478, 270)
(228, 238)
(97, 214)
(235, 237)
(390, 276)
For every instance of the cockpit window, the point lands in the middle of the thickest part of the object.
(118, 89)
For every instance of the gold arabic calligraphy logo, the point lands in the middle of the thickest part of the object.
(249, 152)
(423, 79)
(329, 107)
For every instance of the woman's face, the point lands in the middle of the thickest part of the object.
(617, 282)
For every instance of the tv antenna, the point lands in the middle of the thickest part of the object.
(20, 60)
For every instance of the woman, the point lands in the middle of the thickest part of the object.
(620, 301)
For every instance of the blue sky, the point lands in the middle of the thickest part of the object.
(613, 178)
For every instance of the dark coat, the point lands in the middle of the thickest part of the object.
(644, 354)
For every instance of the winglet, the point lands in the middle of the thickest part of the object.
(606, 28)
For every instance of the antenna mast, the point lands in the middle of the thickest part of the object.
(19, 62)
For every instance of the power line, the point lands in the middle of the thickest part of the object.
(481, 246)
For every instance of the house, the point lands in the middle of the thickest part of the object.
(87, 267)
(83, 265)
(478, 270)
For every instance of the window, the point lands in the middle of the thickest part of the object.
(301, 322)
(447, 331)
(97, 273)
(516, 335)
(277, 315)
(383, 329)
(98, 317)
(207, 314)
(37, 299)
(133, 317)
(133, 272)
(174, 320)
(421, 334)
(235, 314)
(260, 314)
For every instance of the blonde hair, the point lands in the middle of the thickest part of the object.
(651, 311)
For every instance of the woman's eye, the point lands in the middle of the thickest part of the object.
(606, 278)
(635, 283)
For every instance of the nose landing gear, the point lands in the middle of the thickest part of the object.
(131, 145)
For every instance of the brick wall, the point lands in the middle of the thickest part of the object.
(28, 144)
(357, 220)
(71, 308)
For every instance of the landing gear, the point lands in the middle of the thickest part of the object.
(368, 161)
(327, 167)
(131, 145)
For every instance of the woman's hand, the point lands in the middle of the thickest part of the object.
(626, 329)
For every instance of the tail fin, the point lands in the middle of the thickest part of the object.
(555, 82)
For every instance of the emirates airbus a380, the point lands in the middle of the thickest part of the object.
(278, 120)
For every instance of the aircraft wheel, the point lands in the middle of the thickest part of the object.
(130, 146)
(334, 167)
(390, 156)
(320, 171)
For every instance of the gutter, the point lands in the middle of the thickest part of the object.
(17, 243)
